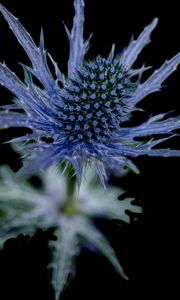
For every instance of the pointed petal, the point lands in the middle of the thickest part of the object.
(16, 86)
(139, 71)
(64, 250)
(9, 107)
(44, 156)
(131, 53)
(78, 47)
(156, 152)
(78, 166)
(28, 137)
(29, 98)
(36, 55)
(111, 54)
(100, 170)
(152, 127)
(154, 82)
(89, 232)
(60, 76)
(11, 81)
(12, 120)
(115, 162)
(21, 34)
(123, 150)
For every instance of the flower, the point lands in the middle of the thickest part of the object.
(81, 120)
(24, 209)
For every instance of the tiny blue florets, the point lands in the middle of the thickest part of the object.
(94, 103)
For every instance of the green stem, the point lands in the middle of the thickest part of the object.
(71, 184)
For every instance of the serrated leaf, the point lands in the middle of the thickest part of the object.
(64, 250)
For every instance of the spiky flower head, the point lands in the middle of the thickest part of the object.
(83, 117)
(95, 101)
(24, 209)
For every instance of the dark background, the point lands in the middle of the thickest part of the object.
(148, 249)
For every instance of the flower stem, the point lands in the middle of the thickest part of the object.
(71, 185)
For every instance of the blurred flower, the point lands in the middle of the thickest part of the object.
(24, 209)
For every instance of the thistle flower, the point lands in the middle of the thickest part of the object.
(83, 118)
(24, 209)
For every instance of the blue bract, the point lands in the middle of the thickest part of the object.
(81, 120)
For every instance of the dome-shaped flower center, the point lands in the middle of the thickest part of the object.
(95, 100)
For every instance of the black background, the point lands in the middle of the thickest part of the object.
(148, 249)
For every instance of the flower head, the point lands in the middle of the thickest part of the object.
(81, 121)
(95, 101)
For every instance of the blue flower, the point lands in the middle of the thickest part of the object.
(81, 120)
